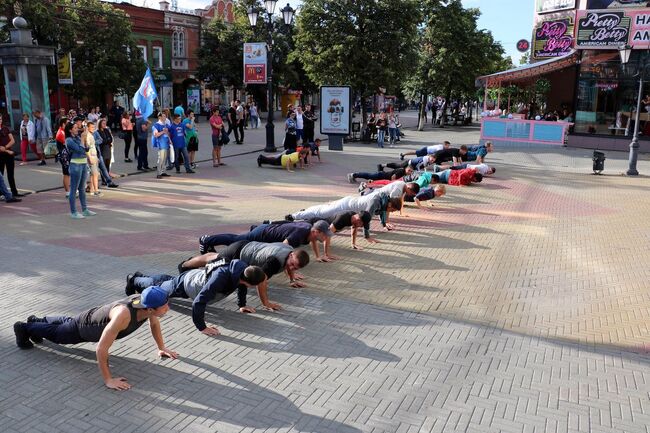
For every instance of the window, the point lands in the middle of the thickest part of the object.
(607, 96)
(157, 59)
(143, 50)
(178, 43)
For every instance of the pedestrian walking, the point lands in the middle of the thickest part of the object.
(44, 134)
(27, 138)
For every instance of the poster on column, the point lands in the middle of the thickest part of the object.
(255, 63)
(640, 30)
(65, 69)
(335, 109)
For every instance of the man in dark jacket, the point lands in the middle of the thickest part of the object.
(204, 286)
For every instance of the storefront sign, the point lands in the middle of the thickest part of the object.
(640, 31)
(553, 38)
(523, 45)
(65, 69)
(336, 110)
(602, 29)
(255, 63)
(544, 6)
(606, 86)
(615, 4)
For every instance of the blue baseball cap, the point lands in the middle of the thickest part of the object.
(151, 297)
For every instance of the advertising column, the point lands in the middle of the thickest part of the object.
(335, 114)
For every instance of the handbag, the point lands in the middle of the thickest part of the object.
(50, 148)
(225, 139)
(171, 154)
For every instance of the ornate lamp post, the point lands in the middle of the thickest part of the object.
(287, 16)
(625, 52)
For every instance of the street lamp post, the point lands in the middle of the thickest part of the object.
(625, 52)
(287, 16)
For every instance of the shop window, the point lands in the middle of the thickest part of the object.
(606, 95)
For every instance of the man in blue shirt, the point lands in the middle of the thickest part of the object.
(180, 149)
(161, 141)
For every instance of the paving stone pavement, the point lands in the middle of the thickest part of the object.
(518, 305)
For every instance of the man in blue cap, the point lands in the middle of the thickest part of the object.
(102, 325)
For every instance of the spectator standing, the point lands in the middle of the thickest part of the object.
(142, 135)
(127, 132)
(43, 133)
(216, 125)
(300, 125)
(309, 119)
(93, 116)
(290, 139)
(88, 141)
(241, 120)
(247, 115)
(180, 111)
(59, 115)
(191, 136)
(63, 155)
(7, 156)
(161, 142)
(232, 120)
(382, 125)
(255, 119)
(178, 141)
(106, 145)
(27, 138)
(78, 170)
(392, 130)
(9, 198)
(103, 171)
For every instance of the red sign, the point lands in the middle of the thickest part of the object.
(255, 74)
(523, 45)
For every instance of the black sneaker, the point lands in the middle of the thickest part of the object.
(22, 336)
(128, 160)
(288, 217)
(42, 163)
(13, 200)
(259, 161)
(181, 268)
(113, 185)
(401, 156)
(34, 319)
(190, 171)
(130, 288)
(202, 247)
(166, 175)
(380, 167)
(159, 177)
(178, 171)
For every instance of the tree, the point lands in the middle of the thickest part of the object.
(106, 58)
(453, 52)
(367, 44)
(525, 58)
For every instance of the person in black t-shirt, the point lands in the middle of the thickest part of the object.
(395, 174)
(451, 154)
(103, 325)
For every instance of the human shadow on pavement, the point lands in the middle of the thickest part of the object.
(201, 394)
(304, 337)
(431, 241)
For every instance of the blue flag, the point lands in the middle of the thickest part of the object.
(146, 94)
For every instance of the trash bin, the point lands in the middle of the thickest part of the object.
(599, 162)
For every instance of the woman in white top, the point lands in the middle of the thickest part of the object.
(27, 138)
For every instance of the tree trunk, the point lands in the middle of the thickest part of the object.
(423, 107)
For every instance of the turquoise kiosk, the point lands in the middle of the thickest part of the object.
(25, 73)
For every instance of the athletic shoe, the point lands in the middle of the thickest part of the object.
(22, 336)
(42, 163)
(34, 319)
(129, 289)
(12, 200)
(67, 194)
(169, 167)
(112, 185)
(289, 217)
(190, 171)
(77, 216)
(178, 171)
(351, 177)
(88, 213)
(380, 167)
(401, 157)
(128, 160)
(259, 161)
(159, 177)
(182, 269)
(193, 165)
(166, 175)
(202, 247)
(363, 186)
(98, 194)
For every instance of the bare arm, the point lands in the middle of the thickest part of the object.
(120, 318)
(156, 333)
(262, 292)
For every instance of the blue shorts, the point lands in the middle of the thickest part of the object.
(216, 142)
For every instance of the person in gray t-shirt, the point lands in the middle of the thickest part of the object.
(273, 258)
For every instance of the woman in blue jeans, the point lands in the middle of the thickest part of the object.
(78, 170)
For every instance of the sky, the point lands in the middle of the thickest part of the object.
(517, 15)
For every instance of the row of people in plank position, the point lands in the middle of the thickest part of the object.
(249, 260)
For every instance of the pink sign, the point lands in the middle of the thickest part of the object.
(553, 38)
(640, 28)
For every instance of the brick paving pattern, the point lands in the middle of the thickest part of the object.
(519, 305)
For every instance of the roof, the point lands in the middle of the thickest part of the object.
(525, 72)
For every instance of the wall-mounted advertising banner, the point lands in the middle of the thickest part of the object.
(65, 69)
(335, 110)
(615, 4)
(602, 29)
(640, 30)
(543, 6)
(255, 63)
(553, 38)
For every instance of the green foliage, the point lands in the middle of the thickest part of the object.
(105, 56)
(453, 51)
(363, 43)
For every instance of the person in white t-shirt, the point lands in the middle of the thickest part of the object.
(483, 168)
(300, 125)
(426, 150)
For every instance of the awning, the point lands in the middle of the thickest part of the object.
(526, 72)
